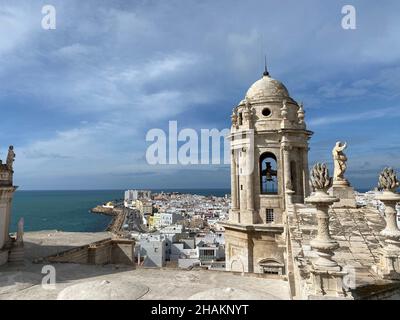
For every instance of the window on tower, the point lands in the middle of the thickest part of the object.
(269, 217)
(266, 112)
(293, 175)
(240, 119)
(268, 173)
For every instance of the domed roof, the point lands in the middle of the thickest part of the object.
(232, 294)
(267, 87)
(115, 289)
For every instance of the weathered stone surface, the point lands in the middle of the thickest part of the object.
(163, 284)
(358, 251)
(346, 195)
(269, 142)
(115, 289)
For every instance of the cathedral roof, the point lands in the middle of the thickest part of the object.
(267, 87)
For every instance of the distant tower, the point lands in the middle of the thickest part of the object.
(6, 194)
(265, 175)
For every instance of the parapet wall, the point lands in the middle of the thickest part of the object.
(108, 251)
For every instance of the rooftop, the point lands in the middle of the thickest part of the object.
(76, 281)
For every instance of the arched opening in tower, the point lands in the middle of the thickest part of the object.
(268, 174)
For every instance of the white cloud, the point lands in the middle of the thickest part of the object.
(361, 116)
(117, 69)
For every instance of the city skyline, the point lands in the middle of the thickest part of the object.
(78, 101)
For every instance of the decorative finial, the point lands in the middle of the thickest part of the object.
(234, 117)
(388, 180)
(284, 110)
(10, 158)
(320, 179)
(266, 73)
(301, 113)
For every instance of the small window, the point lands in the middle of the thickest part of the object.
(270, 271)
(269, 216)
(241, 187)
(240, 119)
(266, 112)
(293, 175)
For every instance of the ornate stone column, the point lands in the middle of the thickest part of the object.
(286, 171)
(234, 181)
(306, 184)
(250, 181)
(389, 266)
(233, 216)
(326, 273)
(323, 243)
(249, 150)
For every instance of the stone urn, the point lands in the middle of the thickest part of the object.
(389, 265)
(323, 243)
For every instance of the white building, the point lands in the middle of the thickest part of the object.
(169, 218)
(132, 195)
(217, 237)
(173, 229)
(152, 249)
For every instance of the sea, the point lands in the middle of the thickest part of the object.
(70, 210)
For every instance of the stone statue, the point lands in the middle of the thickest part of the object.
(388, 180)
(10, 158)
(341, 187)
(339, 159)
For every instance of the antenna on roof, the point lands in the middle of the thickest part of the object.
(265, 73)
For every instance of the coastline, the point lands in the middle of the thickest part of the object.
(69, 210)
(118, 217)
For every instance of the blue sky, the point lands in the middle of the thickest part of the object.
(77, 102)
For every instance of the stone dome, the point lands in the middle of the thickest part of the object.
(267, 87)
(104, 290)
(232, 294)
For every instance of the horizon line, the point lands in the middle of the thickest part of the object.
(102, 189)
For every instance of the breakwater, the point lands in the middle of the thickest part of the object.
(118, 217)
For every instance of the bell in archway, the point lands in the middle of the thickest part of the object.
(269, 173)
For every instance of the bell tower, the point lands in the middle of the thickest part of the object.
(269, 172)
